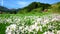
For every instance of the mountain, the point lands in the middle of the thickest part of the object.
(55, 8)
(8, 11)
(33, 6)
(3, 8)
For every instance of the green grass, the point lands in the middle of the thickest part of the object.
(3, 27)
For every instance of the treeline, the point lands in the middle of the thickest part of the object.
(31, 8)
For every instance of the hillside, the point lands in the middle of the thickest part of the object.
(55, 8)
(4, 10)
(35, 7)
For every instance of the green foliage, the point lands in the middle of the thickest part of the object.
(39, 10)
(3, 27)
(39, 32)
(22, 11)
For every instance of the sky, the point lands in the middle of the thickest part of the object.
(22, 3)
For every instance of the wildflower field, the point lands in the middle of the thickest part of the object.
(30, 24)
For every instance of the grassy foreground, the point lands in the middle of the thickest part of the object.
(29, 23)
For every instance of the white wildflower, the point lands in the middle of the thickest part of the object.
(58, 32)
(11, 28)
(48, 32)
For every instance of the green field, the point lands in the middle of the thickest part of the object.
(29, 23)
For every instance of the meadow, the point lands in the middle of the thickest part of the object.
(30, 24)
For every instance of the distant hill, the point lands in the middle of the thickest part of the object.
(55, 8)
(3, 8)
(9, 11)
(34, 6)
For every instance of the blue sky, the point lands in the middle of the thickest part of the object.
(22, 3)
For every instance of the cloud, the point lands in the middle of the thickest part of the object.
(22, 3)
